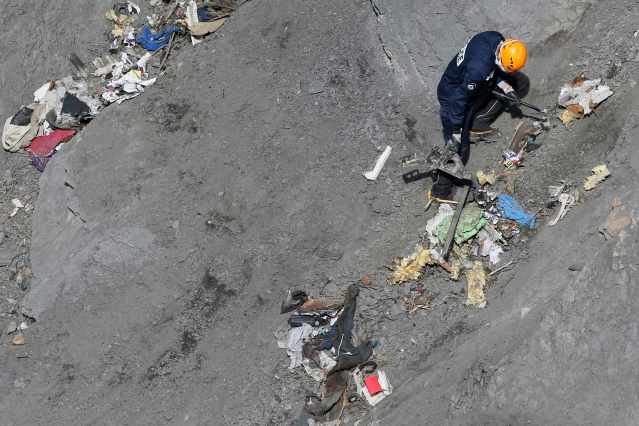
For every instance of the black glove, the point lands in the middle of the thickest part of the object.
(513, 98)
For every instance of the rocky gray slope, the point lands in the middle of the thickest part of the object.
(166, 234)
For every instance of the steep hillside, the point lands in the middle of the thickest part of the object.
(165, 236)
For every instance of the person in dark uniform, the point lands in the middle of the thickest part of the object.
(487, 62)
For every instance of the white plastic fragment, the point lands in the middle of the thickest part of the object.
(131, 83)
(296, 337)
(192, 20)
(567, 201)
(17, 205)
(555, 190)
(495, 252)
(133, 8)
(379, 164)
(373, 400)
(129, 36)
(41, 94)
(141, 63)
(600, 94)
(587, 94)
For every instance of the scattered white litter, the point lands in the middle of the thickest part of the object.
(567, 201)
(585, 93)
(17, 205)
(379, 164)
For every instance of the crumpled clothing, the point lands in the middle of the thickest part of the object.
(445, 210)
(153, 41)
(22, 117)
(73, 92)
(295, 344)
(39, 162)
(43, 146)
(471, 221)
(75, 107)
(326, 363)
(127, 87)
(510, 209)
(16, 137)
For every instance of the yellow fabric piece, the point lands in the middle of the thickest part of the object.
(476, 284)
(599, 174)
(486, 178)
(410, 268)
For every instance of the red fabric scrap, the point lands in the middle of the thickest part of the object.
(43, 146)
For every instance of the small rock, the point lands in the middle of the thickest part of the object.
(333, 251)
(19, 383)
(404, 290)
(23, 326)
(366, 280)
(12, 327)
(396, 310)
(22, 278)
(8, 178)
(18, 340)
(576, 267)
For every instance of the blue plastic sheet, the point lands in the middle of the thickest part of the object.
(511, 209)
(152, 41)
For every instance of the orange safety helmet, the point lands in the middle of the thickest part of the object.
(512, 55)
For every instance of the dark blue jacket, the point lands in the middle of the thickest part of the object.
(471, 73)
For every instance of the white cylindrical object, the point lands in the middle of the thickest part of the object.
(379, 164)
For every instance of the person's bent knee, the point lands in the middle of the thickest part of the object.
(521, 84)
